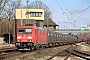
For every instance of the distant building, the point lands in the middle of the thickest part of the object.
(88, 27)
(36, 14)
(29, 16)
(35, 17)
(51, 25)
(85, 27)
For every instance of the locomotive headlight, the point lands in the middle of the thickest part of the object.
(19, 37)
(18, 44)
(18, 40)
(30, 40)
(29, 37)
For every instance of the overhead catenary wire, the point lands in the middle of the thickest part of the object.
(65, 5)
(79, 9)
(79, 14)
(83, 12)
(74, 22)
(62, 9)
(71, 12)
(77, 5)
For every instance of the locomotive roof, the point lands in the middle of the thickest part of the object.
(50, 22)
(40, 28)
(27, 27)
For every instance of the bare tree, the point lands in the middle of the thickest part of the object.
(10, 9)
(8, 15)
(2, 5)
(4, 26)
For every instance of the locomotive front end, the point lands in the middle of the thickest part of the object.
(24, 38)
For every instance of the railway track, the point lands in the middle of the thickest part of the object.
(7, 49)
(59, 53)
(15, 54)
(20, 54)
(12, 52)
(72, 51)
(8, 54)
(78, 54)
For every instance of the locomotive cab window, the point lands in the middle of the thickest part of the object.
(25, 30)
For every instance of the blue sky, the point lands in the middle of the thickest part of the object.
(77, 12)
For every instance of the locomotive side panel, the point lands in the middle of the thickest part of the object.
(41, 36)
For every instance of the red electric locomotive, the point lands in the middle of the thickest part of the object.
(30, 37)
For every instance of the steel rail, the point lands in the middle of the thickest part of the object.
(55, 55)
(67, 56)
(7, 49)
(58, 53)
(79, 54)
(84, 56)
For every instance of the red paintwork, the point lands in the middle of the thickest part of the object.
(38, 36)
(41, 36)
